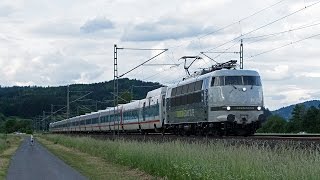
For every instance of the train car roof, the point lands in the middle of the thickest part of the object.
(131, 105)
(156, 92)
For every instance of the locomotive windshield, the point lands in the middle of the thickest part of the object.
(251, 80)
(236, 80)
(233, 80)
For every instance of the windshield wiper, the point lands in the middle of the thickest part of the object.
(235, 87)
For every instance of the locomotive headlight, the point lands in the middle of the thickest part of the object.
(259, 108)
(228, 108)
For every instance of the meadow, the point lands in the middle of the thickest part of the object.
(3, 142)
(8, 146)
(213, 160)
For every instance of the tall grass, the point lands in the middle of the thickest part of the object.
(3, 142)
(180, 160)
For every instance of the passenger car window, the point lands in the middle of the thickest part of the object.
(233, 80)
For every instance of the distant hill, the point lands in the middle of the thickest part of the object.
(285, 112)
(30, 101)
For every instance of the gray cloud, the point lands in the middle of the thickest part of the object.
(278, 97)
(51, 69)
(164, 29)
(97, 24)
(6, 11)
(60, 28)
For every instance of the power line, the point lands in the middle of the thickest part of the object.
(268, 7)
(284, 45)
(163, 50)
(282, 32)
(245, 18)
(229, 25)
(268, 24)
(142, 49)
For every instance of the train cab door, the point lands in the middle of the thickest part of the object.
(163, 109)
(144, 111)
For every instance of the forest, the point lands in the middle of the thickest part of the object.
(31, 101)
(303, 120)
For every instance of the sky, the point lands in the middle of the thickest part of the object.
(52, 43)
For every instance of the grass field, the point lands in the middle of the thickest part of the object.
(180, 160)
(3, 142)
(8, 145)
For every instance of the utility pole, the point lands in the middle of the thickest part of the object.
(51, 117)
(68, 103)
(241, 55)
(115, 87)
(43, 120)
(116, 77)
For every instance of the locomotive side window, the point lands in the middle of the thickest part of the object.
(212, 81)
(184, 89)
(178, 91)
(198, 85)
(233, 80)
(219, 81)
(251, 80)
(184, 100)
(191, 87)
(174, 91)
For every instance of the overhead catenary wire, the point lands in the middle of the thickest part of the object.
(256, 28)
(282, 32)
(263, 26)
(294, 42)
(234, 23)
(198, 38)
(163, 50)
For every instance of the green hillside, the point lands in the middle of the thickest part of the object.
(31, 101)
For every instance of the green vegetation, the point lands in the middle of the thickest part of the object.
(8, 145)
(31, 101)
(92, 167)
(3, 142)
(180, 160)
(303, 120)
(15, 124)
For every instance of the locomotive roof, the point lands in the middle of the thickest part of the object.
(223, 72)
(233, 72)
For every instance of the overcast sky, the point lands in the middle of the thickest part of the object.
(51, 43)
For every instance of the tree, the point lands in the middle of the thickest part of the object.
(311, 123)
(274, 124)
(296, 121)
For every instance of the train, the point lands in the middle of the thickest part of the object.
(223, 101)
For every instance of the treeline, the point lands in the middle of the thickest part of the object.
(15, 124)
(31, 101)
(302, 120)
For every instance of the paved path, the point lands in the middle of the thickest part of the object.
(35, 162)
